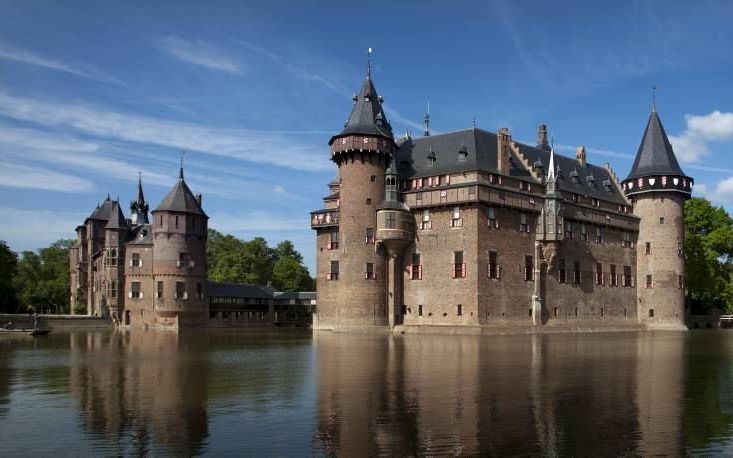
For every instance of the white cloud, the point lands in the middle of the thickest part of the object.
(32, 229)
(20, 55)
(721, 194)
(199, 53)
(279, 189)
(20, 176)
(263, 147)
(692, 144)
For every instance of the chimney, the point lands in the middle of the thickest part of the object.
(542, 137)
(580, 155)
(504, 139)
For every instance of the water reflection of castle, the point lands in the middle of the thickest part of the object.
(518, 396)
(140, 393)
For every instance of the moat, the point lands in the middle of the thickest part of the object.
(290, 393)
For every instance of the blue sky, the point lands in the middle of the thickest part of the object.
(91, 92)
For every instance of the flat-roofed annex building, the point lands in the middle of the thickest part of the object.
(473, 228)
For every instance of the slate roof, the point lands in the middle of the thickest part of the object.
(655, 155)
(142, 235)
(367, 117)
(104, 211)
(480, 149)
(295, 295)
(117, 218)
(180, 199)
(237, 290)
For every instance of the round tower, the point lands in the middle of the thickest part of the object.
(658, 189)
(179, 258)
(351, 291)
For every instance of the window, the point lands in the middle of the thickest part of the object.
(576, 272)
(199, 291)
(524, 186)
(561, 277)
(426, 224)
(679, 249)
(649, 283)
(556, 312)
(369, 274)
(136, 261)
(181, 292)
(648, 248)
(459, 310)
(160, 220)
(574, 197)
(661, 220)
(459, 267)
(369, 201)
(493, 222)
(599, 236)
(113, 289)
(369, 235)
(651, 313)
(494, 269)
(523, 225)
(603, 312)
(159, 290)
(183, 260)
(176, 220)
(528, 268)
(334, 273)
(113, 256)
(334, 243)
(599, 273)
(415, 269)
(456, 220)
(445, 179)
(373, 178)
(614, 277)
(389, 220)
(419, 310)
(583, 233)
(627, 276)
(680, 282)
(627, 240)
(595, 202)
(135, 292)
(568, 230)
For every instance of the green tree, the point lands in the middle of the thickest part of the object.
(8, 271)
(709, 254)
(42, 279)
(291, 275)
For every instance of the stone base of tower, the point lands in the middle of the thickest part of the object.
(666, 327)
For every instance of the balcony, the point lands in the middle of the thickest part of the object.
(324, 218)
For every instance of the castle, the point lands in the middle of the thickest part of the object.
(472, 228)
(143, 273)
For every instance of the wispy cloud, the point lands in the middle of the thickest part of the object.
(262, 147)
(200, 53)
(19, 176)
(721, 194)
(257, 221)
(598, 151)
(31, 229)
(692, 144)
(17, 54)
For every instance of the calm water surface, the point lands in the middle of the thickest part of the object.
(286, 392)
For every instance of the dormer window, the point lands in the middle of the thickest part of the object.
(463, 153)
(607, 185)
(431, 158)
(591, 180)
(574, 177)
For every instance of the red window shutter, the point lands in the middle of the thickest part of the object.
(447, 179)
(463, 270)
(453, 270)
(419, 272)
(460, 222)
(328, 276)
(409, 271)
(498, 272)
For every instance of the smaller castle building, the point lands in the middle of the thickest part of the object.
(143, 272)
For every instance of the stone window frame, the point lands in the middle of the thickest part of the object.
(333, 273)
(181, 292)
(569, 234)
(524, 225)
(135, 290)
(369, 272)
(370, 235)
(426, 224)
(458, 266)
(333, 243)
(492, 220)
(613, 275)
(648, 248)
(159, 288)
(135, 259)
(599, 235)
(583, 232)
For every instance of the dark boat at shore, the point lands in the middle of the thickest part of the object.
(30, 332)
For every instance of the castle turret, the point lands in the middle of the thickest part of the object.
(658, 189)
(351, 282)
(179, 258)
(139, 207)
(395, 230)
(116, 232)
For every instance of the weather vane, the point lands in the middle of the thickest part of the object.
(654, 98)
(369, 62)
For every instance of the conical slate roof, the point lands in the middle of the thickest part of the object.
(655, 155)
(104, 211)
(116, 219)
(180, 199)
(367, 117)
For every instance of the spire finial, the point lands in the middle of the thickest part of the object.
(180, 172)
(369, 63)
(654, 98)
(474, 122)
(426, 121)
(551, 172)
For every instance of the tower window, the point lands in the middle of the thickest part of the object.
(459, 267)
(569, 230)
(181, 292)
(459, 310)
(373, 178)
(456, 220)
(576, 272)
(599, 273)
(494, 271)
(159, 290)
(334, 243)
(648, 248)
(419, 310)
(599, 236)
(614, 278)
(369, 275)
(649, 283)
(493, 222)
(680, 282)
(426, 224)
(523, 224)
(389, 220)
(113, 288)
(136, 261)
(679, 249)
(334, 273)
(369, 201)
(160, 220)
(627, 276)
(528, 268)
(661, 220)
(561, 271)
(135, 292)
(369, 235)
(176, 220)
(651, 313)
(416, 267)
(583, 233)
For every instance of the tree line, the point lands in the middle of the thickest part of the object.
(39, 280)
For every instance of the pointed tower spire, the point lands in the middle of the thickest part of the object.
(655, 155)
(180, 172)
(139, 207)
(551, 168)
